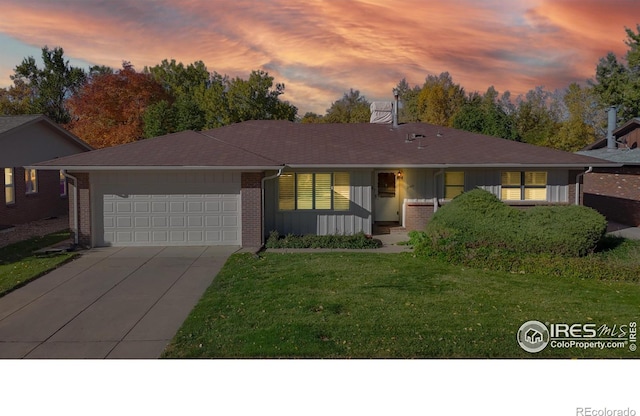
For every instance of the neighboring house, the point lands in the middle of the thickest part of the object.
(31, 194)
(615, 191)
(234, 184)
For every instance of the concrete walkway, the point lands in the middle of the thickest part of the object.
(625, 231)
(109, 303)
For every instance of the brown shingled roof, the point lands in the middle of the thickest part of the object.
(187, 149)
(277, 143)
(379, 145)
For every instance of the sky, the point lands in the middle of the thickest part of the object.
(321, 48)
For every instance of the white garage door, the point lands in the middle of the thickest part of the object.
(141, 218)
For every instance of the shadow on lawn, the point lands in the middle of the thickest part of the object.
(19, 251)
(609, 243)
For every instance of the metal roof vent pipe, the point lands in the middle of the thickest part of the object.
(396, 100)
(611, 126)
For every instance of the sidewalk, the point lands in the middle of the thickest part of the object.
(625, 231)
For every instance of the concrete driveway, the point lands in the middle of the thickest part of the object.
(109, 303)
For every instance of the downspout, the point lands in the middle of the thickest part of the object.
(263, 200)
(75, 206)
(436, 201)
(578, 176)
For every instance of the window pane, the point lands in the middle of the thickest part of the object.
(63, 184)
(286, 192)
(8, 176)
(9, 187)
(511, 178)
(341, 191)
(454, 178)
(305, 190)
(535, 178)
(31, 180)
(535, 194)
(386, 184)
(323, 191)
(451, 192)
(510, 194)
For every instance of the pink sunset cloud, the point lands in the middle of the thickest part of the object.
(320, 49)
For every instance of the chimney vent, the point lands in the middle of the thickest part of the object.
(611, 126)
(381, 112)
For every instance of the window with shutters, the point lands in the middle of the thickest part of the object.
(524, 186)
(309, 191)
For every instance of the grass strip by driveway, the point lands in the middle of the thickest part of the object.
(18, 264)
(372, 305)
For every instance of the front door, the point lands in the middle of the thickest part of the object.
(386, 197)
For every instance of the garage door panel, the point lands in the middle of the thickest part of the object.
(177, 236)
(193, 221)
(211, 221)
(142, 207)
(229, 221)
(159, 207)
(123, 207)
(159, 222)
(177, 207)
(212, 207)
(229, 206)
(174, 219)
(124, 236)
(141, 222)
(142, 236)
(160, 237)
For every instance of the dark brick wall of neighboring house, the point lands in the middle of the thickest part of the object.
(251, 196)
(46, 203)
(615, 193)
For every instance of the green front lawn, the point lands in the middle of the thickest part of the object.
(18, 264)
(339, 305)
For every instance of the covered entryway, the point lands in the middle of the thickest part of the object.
(167, 209)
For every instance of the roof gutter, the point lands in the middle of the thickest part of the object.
(89, 168)
(578, 177)
(263, 203)
(604, 164)
(75, 206)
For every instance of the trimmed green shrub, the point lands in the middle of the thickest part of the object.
(355, 241)
(477, 224)
(480, 231)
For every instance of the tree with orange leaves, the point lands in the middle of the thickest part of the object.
(108, 109)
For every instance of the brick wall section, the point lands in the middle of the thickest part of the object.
(615, 193)
(573, 175)
(251, 195)
(417, 215)
(84, 210)
(46, 203)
